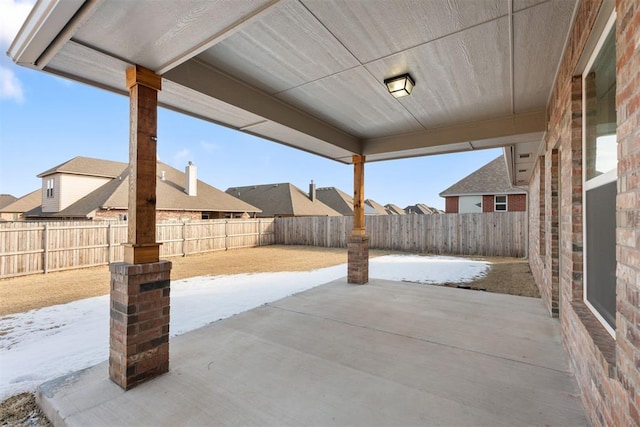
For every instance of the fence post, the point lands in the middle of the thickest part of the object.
(109, 243)
(45, 248)
(184, 238)
(226, 234)
(259, 232)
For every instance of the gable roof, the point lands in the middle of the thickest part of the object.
(394, 209)
(377, 207)
(25, 203)
(336, 199)
(6, 199)
(422, 209)
(169, 193)
(88, 166)
(281, 199)
(491, 178)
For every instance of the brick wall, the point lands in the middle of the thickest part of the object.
(628, 204)
(517, 202)
(607, 369)
(160, 215)
(487, 203)
(451, 204)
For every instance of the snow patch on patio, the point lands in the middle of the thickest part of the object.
(40, 345)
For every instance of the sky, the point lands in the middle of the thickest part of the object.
(46, 120)
(44, 344)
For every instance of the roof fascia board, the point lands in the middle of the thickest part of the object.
(45, 22)
(484, 193)
(509, 158)
(205, 79)
(516, 124)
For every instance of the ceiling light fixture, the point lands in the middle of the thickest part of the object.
(400, 86)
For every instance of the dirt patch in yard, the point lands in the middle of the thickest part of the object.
(42, 290)
(505, 276)
(22, 410)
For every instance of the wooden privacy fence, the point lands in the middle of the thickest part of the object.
(41, 247)
(486, 234)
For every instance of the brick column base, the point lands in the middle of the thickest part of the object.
(139, 338)
(358, 259)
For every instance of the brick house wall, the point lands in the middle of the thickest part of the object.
(160, 215)
(517, 202)
(487, 203)
(451, 204)
(606, 368)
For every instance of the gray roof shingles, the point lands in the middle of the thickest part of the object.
(491, 178)
(282, 199)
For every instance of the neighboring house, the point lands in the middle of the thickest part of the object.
(488, 189)
(15, 211)
(86, 188)
(6, 199)
(283, 200)
(394, 209)
(376, 207)
(421, 209)
(340, 201)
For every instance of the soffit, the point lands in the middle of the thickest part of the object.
(309, 73)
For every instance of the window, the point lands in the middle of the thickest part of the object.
(500, 203)
(600, 178)
(50, 182)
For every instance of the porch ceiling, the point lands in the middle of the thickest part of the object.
(309, 73)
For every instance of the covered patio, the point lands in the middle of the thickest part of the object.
(390, 353)
(314, 75)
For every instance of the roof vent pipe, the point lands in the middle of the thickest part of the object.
(162, 177)
(312, 191)
(191, 179)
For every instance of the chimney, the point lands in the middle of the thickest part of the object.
(191, 179)
(312, 191)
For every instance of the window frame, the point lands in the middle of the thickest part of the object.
(50, 187)
(496, 203)
(598, 181)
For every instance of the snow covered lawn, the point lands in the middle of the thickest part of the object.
(40, 345)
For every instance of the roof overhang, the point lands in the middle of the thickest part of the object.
(309, 73)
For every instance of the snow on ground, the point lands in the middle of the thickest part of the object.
(40, 345)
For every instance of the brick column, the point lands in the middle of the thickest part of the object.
(139, 339)
(358, 257)
(139, 336)
(358, 242)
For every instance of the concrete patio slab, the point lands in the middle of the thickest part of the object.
(387, 353)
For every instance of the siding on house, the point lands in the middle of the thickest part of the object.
(72, 188)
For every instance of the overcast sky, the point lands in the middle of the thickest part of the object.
(46, 120)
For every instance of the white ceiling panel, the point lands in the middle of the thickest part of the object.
(155, 33)
(417, 152)
(197, 104)
(286, 48)
(523, 4)
(354, 101)
(373, 29)
(546, 24)
(293, 138)
(460, 78)
(76, 60)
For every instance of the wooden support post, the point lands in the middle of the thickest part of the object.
(358, 196)
(358, 242)
(143, 87)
